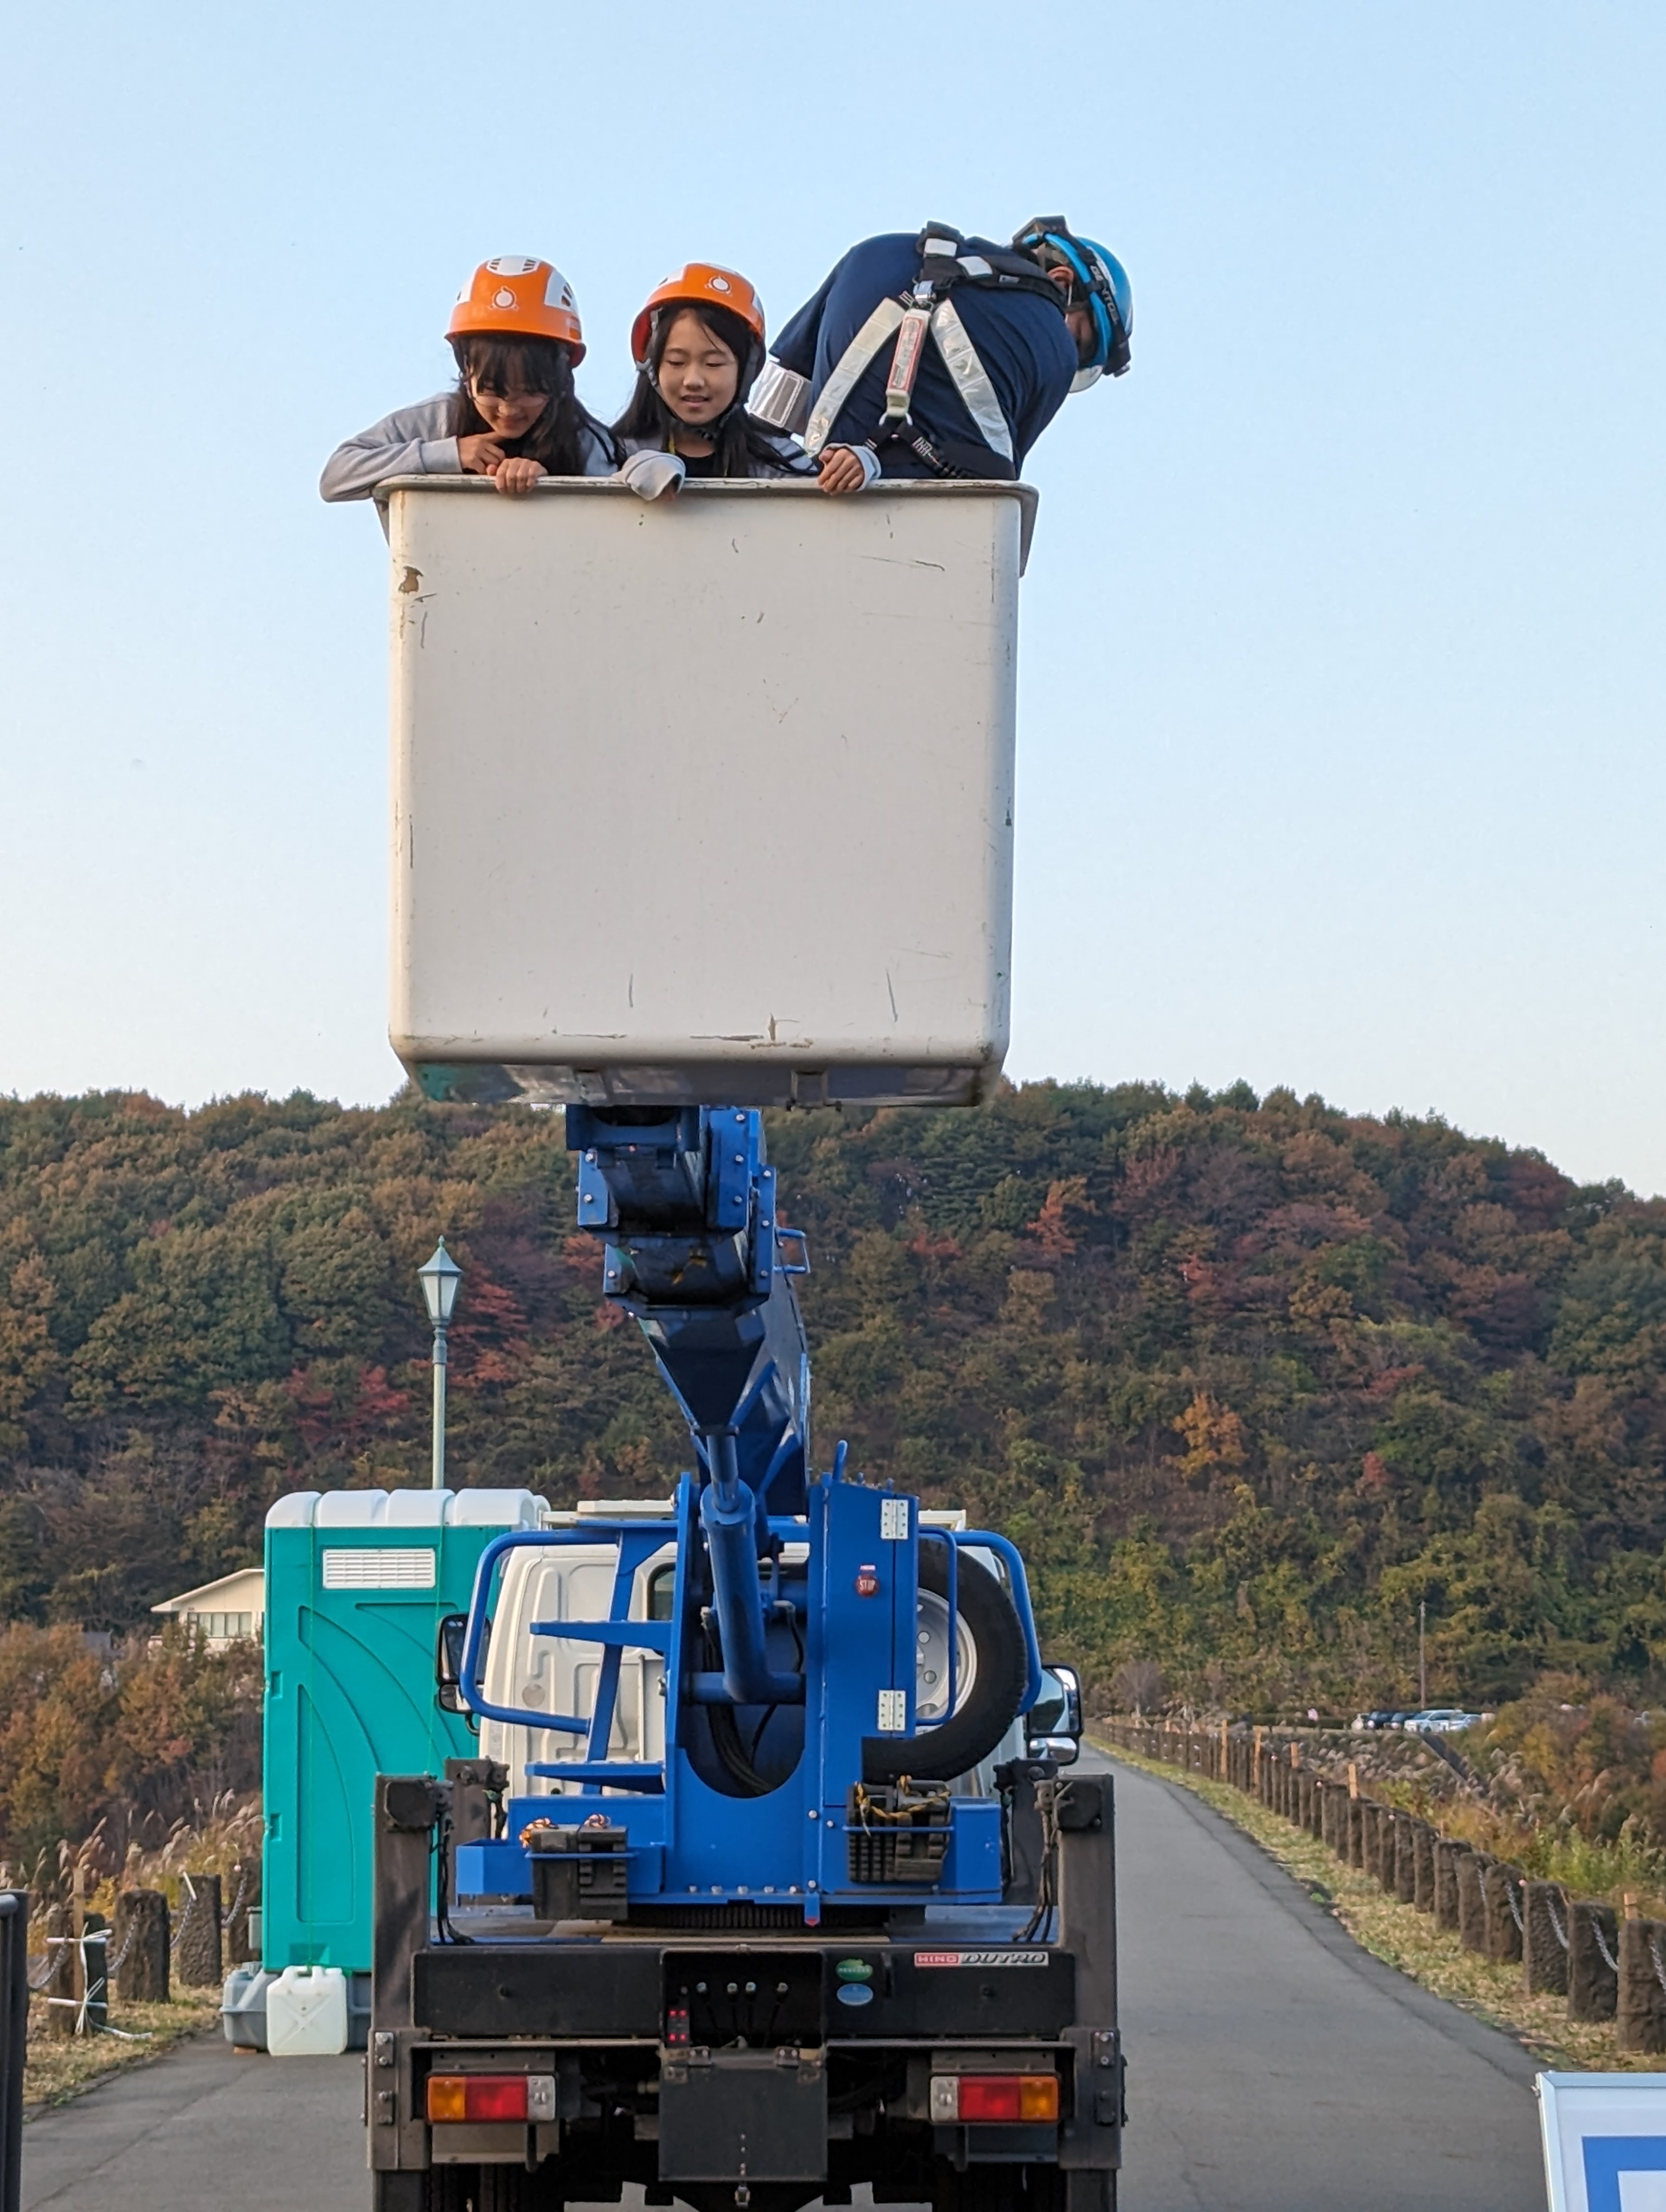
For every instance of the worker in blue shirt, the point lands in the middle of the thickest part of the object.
(949, 355)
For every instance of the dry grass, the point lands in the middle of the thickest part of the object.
(1403, 1937)
(57, 2071)
(228, 1835)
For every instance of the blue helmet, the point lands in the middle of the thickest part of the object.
(1097, 281)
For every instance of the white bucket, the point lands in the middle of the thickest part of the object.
(306, 2012)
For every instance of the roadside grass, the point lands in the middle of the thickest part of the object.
(223, 1840)
(56, 2070)
(1405, 1938)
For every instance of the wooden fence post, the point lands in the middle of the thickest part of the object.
(1423, 1866)
(1405, 1857)
(1472, 1904)
(1593, 1962)
(1640, 2014)
(58, 1988)
(1545, 1938)
(142, 1976)
(1503, 1930)
(196, 1946)
(1448, 1851)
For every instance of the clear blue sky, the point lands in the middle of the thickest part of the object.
(1341, 758)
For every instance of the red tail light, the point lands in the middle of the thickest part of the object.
(477, 2096)
(1009, 2097)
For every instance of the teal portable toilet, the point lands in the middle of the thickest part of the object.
(358, 1582)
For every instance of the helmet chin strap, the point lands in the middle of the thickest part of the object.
(712, 431)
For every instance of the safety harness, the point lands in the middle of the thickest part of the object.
(928, 308)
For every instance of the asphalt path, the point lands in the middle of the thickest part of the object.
(1273, 2067)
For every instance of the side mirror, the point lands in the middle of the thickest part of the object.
(1053, 1725)
(448, 1661)
(1071, 1682)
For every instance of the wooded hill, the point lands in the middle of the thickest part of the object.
(1246, 1378)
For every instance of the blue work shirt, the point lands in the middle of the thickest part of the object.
(1024, 343)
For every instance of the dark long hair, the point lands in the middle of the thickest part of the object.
(512, 364)
(739, 443)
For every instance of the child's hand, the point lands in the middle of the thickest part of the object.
(518, 474)
(841, 470)
(481, 455)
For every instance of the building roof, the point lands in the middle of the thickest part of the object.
(245, 1591)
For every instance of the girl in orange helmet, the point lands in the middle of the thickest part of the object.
(514, 415)
(698, 344)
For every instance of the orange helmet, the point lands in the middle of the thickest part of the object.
(520, 299)
(700, 284)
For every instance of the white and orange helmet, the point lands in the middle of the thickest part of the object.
(515, 297)
(703, 285)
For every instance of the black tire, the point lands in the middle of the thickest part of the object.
(490, 2188)
(1003, 1669)
(998, 2188)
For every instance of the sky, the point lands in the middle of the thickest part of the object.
(1342, 665)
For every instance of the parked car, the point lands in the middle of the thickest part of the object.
(1443, 1720)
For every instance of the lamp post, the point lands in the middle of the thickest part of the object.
(1422, 1652)
(440, 1280)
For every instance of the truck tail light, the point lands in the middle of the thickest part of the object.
(1009, 2097)
(476, 2097)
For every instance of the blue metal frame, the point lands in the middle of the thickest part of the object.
(945, 1536)
(985, 1540)
(687, 1206)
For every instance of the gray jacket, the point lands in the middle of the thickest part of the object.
(416, 441)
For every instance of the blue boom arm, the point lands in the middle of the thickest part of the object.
(685, 1201)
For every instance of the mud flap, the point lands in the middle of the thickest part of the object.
(743, 2116)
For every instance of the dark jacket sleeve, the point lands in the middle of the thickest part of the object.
(1041, 405)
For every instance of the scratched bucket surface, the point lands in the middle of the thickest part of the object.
(704, 800)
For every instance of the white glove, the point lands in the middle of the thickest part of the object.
(651, 474)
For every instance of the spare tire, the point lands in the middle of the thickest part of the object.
(987, 1703)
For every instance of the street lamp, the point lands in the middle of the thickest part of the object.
(440, 1280)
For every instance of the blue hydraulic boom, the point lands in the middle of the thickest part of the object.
(686, 1202)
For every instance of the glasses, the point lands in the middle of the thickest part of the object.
(495, 391)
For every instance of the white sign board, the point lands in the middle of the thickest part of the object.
(1605, 2141)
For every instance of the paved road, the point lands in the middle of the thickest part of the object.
(1274, 2068)
(205, 2128)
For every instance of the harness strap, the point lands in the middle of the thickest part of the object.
(971, 379)
(853, 363)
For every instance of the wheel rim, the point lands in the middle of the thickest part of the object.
(931, 1664)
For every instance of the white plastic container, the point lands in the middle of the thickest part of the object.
(704, 800)
(306, 2012)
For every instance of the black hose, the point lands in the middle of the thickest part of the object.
(725, 1735)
